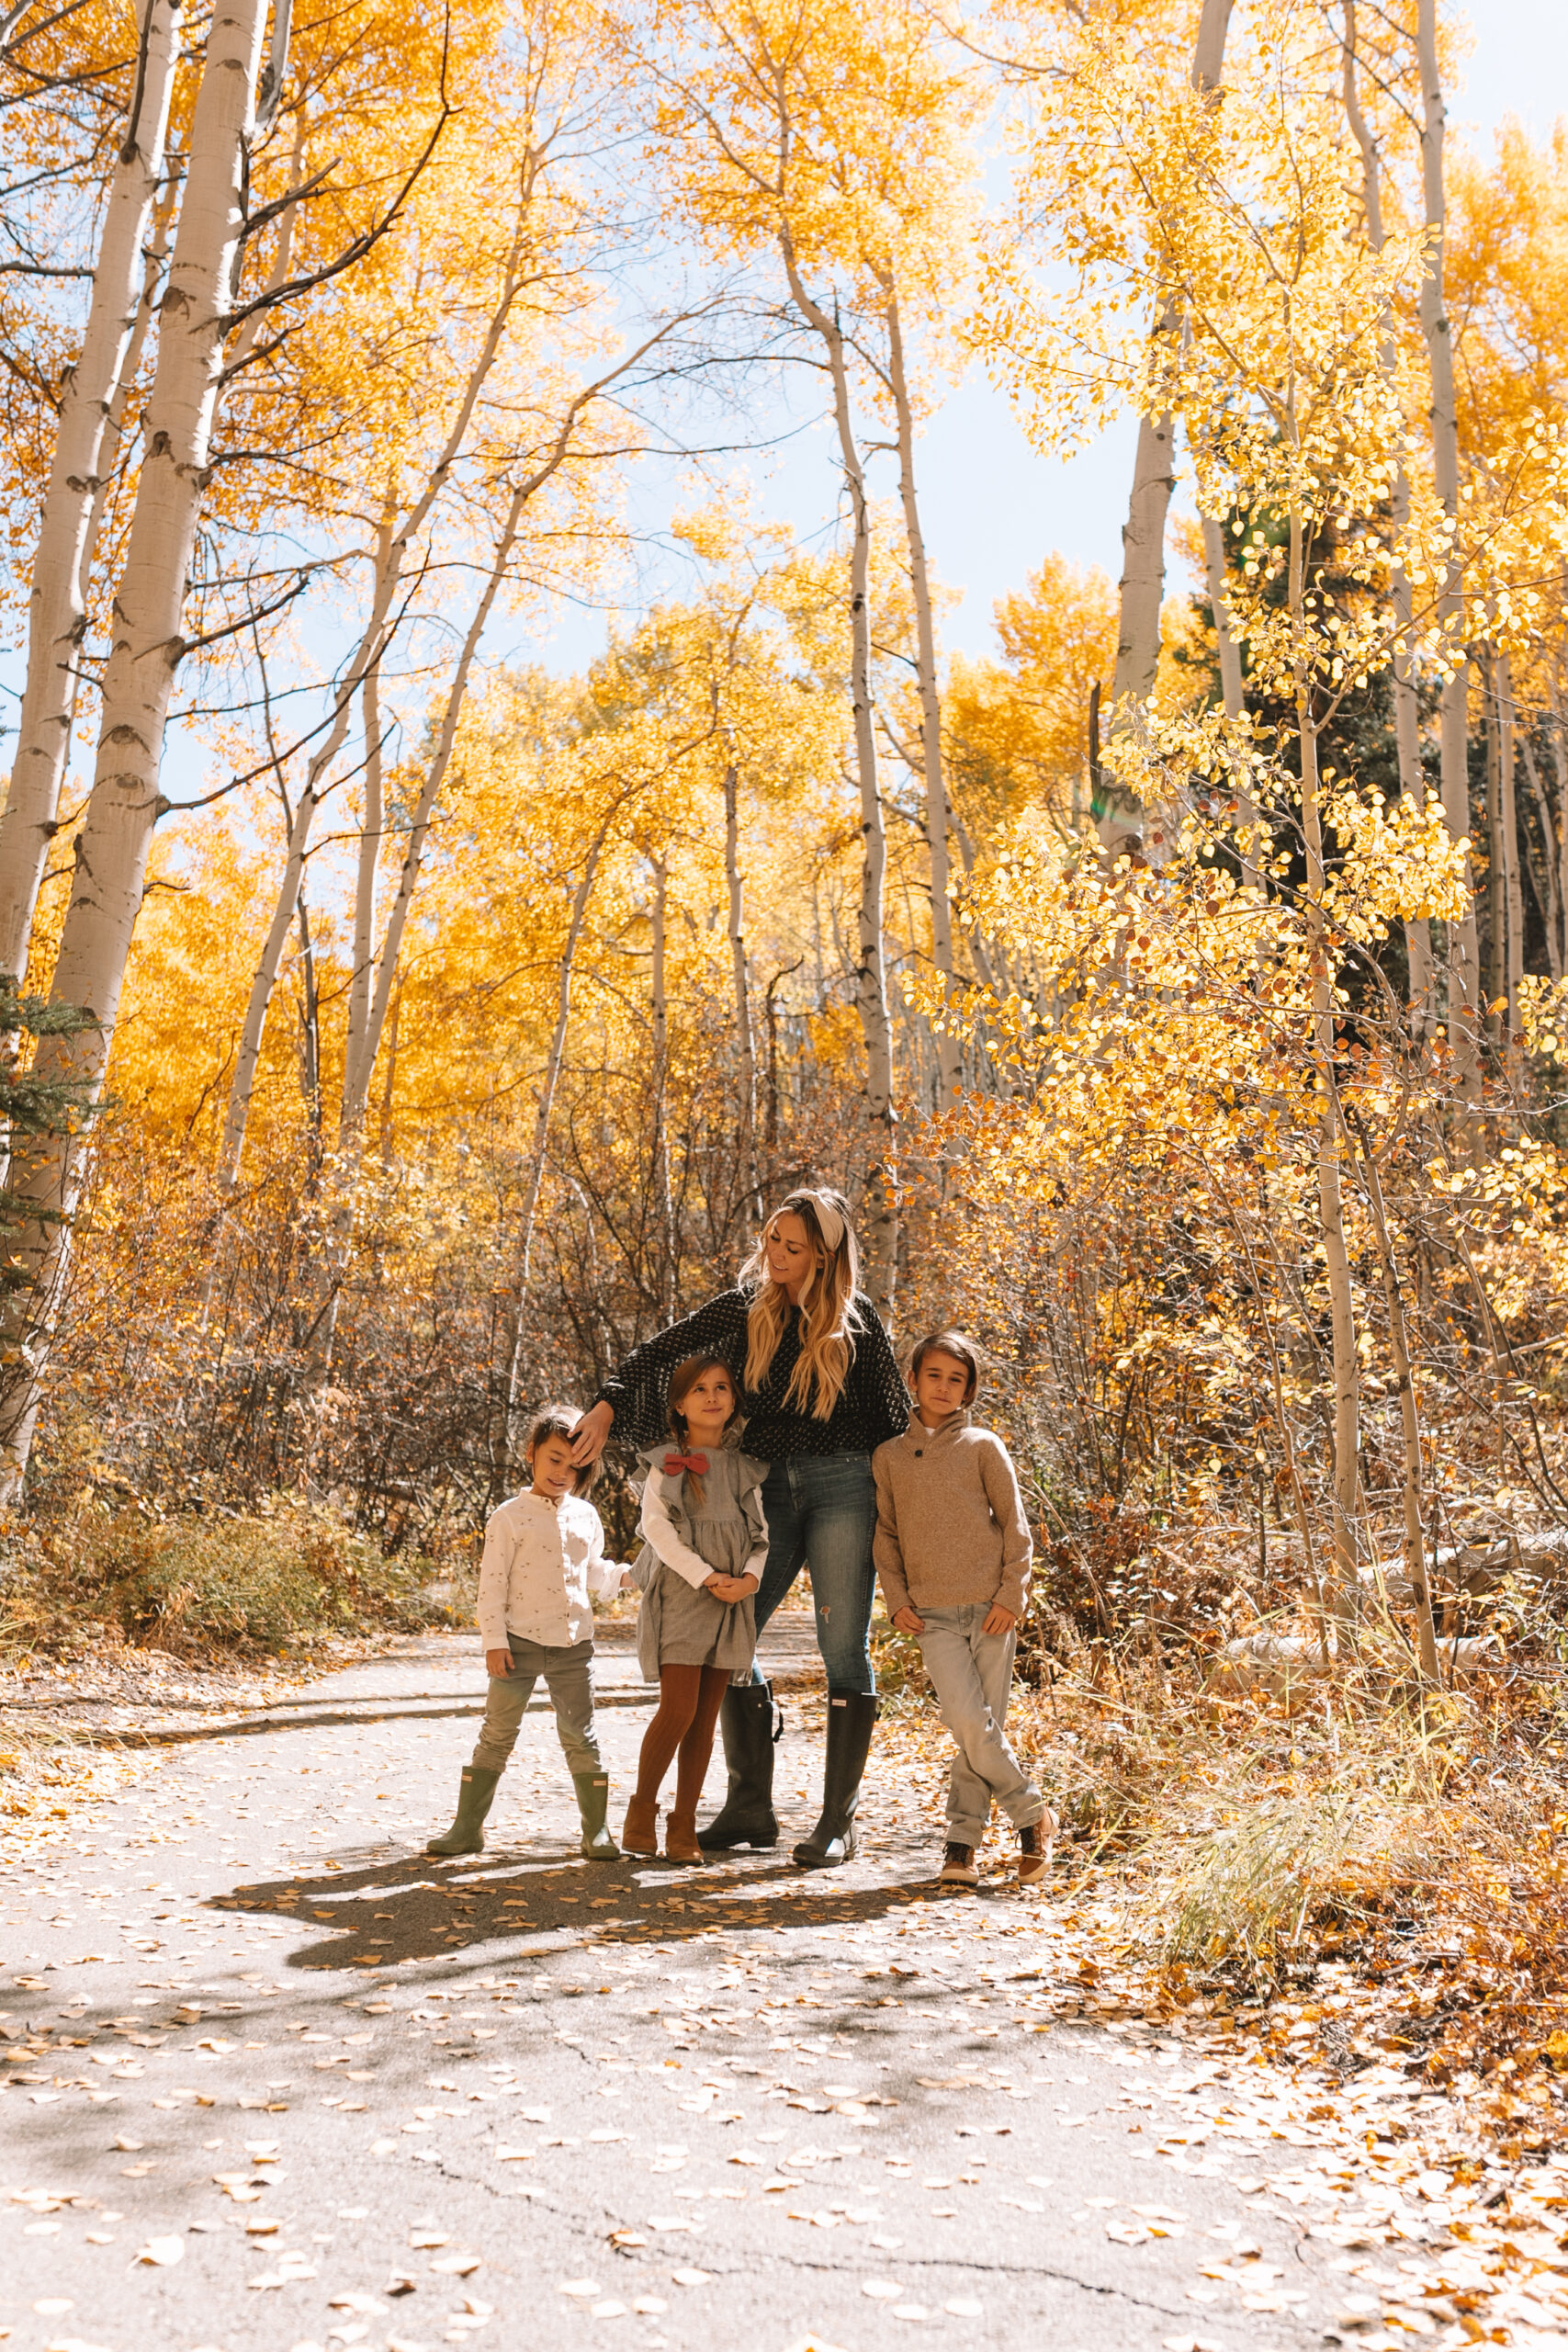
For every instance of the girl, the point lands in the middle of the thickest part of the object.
(821, 1390)
(544, 1557)
(696, 1631)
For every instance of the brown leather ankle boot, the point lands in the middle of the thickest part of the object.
(640, 1835)
(680, 1836)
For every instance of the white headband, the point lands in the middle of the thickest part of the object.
(829, 1219)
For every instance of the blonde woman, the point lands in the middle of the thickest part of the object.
(821, 1391)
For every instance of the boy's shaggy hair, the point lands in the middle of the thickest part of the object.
(559, 1420)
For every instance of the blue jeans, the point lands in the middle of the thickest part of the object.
(821, 1509)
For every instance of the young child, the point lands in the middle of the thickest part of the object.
(544, 1558)
(954, 1552)
(708, 1540)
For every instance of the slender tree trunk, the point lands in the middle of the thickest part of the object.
(111, 852)
(1410, 1426)
(1406, 728)
(1463, 960)
(1497, 860)
(263, 980)
(84, 450)
(660, 993)
(1514, 901)
(1331, 1213)
(393, 547)
(1547, 883)
(424, 810)
(947, 1048)
(879, 1217)
(513, 1430)
(366, 867)
(1119, 814)
(1231, 687)
(744, 1031)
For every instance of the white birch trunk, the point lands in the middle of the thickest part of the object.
(879, 1218)
(74, 500)
(1119, 814)
(1514, 902)
(735, 888)
(1232, 690)
(1496, 864)
(1331, 1212)
(660, 1005)
(1406, 728)
(513, 1385)
(263, 981)
(1410, 1425)
(111, 854)
(947, 1048)
(393, 544)
(1551, 904)
(366, 866)
(354, 1100)
(1465, 977)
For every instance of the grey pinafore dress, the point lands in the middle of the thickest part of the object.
(679, 1624)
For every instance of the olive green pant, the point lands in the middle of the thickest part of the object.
(568, 1676)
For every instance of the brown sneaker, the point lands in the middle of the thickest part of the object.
(1034, 1851)
(958, 1866)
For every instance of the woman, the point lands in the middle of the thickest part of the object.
(821, 1393)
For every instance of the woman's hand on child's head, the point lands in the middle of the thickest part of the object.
(908, 1621)
(999, 1620)
(587, 1438)
(497, 1661)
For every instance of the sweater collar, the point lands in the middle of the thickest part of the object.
(918, 1435)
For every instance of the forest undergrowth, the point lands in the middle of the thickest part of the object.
(1347, 1867)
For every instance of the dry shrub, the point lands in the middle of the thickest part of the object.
(288, 1574)
(1244, 1895)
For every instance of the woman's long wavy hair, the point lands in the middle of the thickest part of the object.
(827, 1339)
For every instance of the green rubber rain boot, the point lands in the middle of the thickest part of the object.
(467, 1835)
(593, 1804)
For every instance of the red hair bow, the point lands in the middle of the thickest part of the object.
(675, 1463)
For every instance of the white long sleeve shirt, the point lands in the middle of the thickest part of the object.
(660, 1532)
(542, 1564)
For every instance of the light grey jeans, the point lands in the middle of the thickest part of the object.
(569, 1677)
(971, 1673)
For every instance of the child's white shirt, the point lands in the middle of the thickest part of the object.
(542, 1564)
(659, 1531)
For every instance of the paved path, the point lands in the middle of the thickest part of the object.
(278, 2080)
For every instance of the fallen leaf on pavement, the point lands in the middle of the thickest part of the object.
(163, 2251)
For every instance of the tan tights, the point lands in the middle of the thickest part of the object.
(689, 1701)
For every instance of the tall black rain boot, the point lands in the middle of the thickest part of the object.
(475, 1795)
(851, 1715)
(750, 1733)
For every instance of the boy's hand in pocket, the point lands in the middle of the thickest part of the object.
(999, 1620)
(497, 1661)
(908, 1621)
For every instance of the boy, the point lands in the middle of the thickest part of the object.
(544, 1561)
(953, 1553)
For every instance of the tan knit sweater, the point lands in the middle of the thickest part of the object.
(949, 1525)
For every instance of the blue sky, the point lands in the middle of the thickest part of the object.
(991, 507)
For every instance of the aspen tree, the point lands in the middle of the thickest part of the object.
(1121, 820)
(111, 852)
(1407, 735)
(1464, 975)
(93, 395)
(398, 533)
